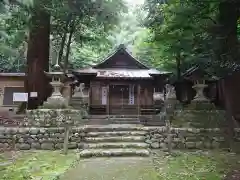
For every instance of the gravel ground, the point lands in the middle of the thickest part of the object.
(123, 168)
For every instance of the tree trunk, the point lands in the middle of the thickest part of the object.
(178, 66)
(228, 41)
(229, 126)
(38, 57)
(72, 29)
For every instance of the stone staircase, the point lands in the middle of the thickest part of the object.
(77, 102)
(115, 140)
(147, 120)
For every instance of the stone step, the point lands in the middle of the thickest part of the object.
(116, 139)
(117, 145)
(124, 119)
(87, 153)
(125, 122)
(112, 121)
(113, 127)
(155, 123)
(116, 133)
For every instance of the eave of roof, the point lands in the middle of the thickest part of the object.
(120, 73)
(69, 75)
(195, 68)
(119, 48)
(12, 74)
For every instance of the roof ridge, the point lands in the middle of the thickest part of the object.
(110, 54)
(136, 59)
(119, 47)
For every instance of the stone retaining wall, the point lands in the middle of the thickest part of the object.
(53, 138)
(199, 119)
(189, 138)
(39, 138)
(53, 118)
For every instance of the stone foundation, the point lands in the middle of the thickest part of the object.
(189, 138)
(53, 118)
(53, 138)
(199, 119)
(39, 138)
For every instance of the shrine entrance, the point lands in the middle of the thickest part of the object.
(122, 99)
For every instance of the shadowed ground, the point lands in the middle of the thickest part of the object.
(124, 168)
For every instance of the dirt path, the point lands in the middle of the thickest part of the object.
(123, 168)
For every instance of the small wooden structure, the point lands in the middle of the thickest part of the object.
(121, 85)
(196, 75)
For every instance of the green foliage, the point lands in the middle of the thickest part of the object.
(188, 30)
(93, 20)
(212, 165)
(40, 164)
(13, 23)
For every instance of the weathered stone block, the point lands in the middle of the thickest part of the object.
(52, 130)
(2, 130)
(72, 145)
(43, 130)
(29, 140)
(23, 146)
(190, 145)
(11, 131)
(34, 131)
(36, 145)
(157, 136)
(75, 139)
(154, 140)
(192, 139)
(23, 130)
(177, 140)
(58, 146)
(155, 145)
(180, 145)
(199, 145)
(47, 146)
(2, 136)
(207, 144)
(148, 141)
(2, 145)
(82, 146)
(163, 145)
(21, 140)
(215, 144)
(199, 118)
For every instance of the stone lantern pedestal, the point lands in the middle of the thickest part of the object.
(200, 101)
(56, 100)
(199, 90)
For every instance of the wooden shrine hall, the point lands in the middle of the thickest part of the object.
(121, 85)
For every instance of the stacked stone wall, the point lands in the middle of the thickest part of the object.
(39, 138)
(189, 138)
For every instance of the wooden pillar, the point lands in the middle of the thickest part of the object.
(89, 97)
(108, 102)
(139, 99)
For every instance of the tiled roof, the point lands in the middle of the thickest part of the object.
(22, 75)
(120, 48)
(121, 73)
(12, 74)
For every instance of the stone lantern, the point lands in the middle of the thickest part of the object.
(171, 99)
(199, 86)
(198, 76)
(56, 100)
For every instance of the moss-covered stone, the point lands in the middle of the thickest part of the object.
(53, 117)
(199, 118)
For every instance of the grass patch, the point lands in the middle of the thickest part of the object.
(39, 165)
(212, 165)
